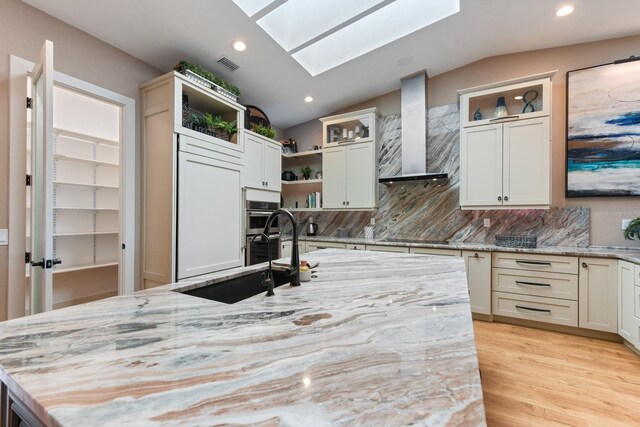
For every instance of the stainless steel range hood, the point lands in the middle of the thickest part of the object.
(413, 96)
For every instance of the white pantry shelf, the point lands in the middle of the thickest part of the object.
(303, 181)
(81, 160)
(82, 137)
(302, 154)
(85, 233)
(69, 208)
(83, 267)
(78, 184)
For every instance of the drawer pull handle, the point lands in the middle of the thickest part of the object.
(540, 263)
(540, 310)
(533, 284)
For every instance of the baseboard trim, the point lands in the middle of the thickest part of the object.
(483, 317)
(588, 333)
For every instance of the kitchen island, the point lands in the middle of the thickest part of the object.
(375, 338)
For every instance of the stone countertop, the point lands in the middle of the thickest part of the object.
(626, 254)
(375, 338)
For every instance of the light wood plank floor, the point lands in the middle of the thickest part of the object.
(538, 378)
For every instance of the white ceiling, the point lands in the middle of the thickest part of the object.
(161, 32)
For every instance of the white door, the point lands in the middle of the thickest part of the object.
(628, 324)
(526, 162)
(360, 176)
(334, 164)
(272, 168)
(209, 231)
(253, 162)
(481, 166)
(598, 294)
(478, 266)
(42, 182)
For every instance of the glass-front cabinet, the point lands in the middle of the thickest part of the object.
(358, 126)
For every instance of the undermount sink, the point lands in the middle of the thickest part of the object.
(239, 288)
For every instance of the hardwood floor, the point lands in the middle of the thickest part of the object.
(538, 378)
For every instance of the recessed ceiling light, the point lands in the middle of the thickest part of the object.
(239, 45)
(518, 97)
(565, 10)
(308, 98)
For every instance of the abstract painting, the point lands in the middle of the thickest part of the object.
(603, 130)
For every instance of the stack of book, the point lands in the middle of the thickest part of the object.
(314, 200)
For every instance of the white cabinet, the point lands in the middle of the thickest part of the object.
(386, 248)
(505, 161)
(262, 161)
(598, 294)
(350, 161)
(209, 216)
(350, 179)
(628, 323)
(192, 209)
(285, 248)
(478, 266)
(312, 245)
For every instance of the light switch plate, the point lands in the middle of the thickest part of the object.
(625, 223)
(487, 222)
(4, 237)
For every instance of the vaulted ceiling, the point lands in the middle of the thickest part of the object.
(161, 32)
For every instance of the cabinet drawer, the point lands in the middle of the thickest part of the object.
(549, 310)
(536, 262)
(355, 247)
(636, 295)
(539, 283)
(385, 248)
(435, 251)
(314, 246)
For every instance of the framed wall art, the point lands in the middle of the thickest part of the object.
(603, 130)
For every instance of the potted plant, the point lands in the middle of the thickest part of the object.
(264, 131)
(632, 232)
(306, 172)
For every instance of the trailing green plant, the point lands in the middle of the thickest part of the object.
(633, 230)
(306, 171)
(202, 72)
(214, 122)
(197, 120)
(267, 131)
(231, 128)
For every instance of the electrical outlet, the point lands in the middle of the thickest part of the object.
(625, 223)
(487, 222)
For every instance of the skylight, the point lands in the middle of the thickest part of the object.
(323, 34)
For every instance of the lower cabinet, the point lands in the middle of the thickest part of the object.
(311, 245)
(478, 267)
(436, 251)
(385, 248)
(598, 294)
(540, 309)
(628, 322)
(285, 249)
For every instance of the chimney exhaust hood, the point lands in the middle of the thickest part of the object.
(413, 95)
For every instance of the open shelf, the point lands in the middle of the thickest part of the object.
(84, 233)
(81, 160)
(304, 181)
(82, 137)
(302, 154)
(69, 208)
(77, 184)
(83, 267)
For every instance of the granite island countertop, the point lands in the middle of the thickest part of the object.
(625, 254)
(375, 338)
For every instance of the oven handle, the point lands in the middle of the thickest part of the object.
(259, 213)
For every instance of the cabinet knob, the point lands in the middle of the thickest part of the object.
(499, 198)
(347, 203)
(506, 198)
(585, 265)
(476, 255)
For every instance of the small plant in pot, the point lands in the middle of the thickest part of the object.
(306, 172)
(632, 232)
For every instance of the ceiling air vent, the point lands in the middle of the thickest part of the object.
(228, 64)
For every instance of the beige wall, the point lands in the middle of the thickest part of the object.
(606, 213)
(23, 30)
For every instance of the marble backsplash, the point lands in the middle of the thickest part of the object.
(430, 211)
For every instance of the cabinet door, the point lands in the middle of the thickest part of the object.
(526, 162)
(209, 231)
(478, 266)
(272, 166)
(360, 176)
(334, 165)
(481, 166)
(253, 162)
(598, 294)
(628, 324)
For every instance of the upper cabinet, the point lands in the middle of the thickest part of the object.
(505, 140)
(350, 161)
(262, 165)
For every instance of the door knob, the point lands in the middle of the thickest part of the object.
(585, 265)
(506, 198)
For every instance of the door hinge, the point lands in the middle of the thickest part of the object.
(29, 102)
(27, 257)
(28, 180)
